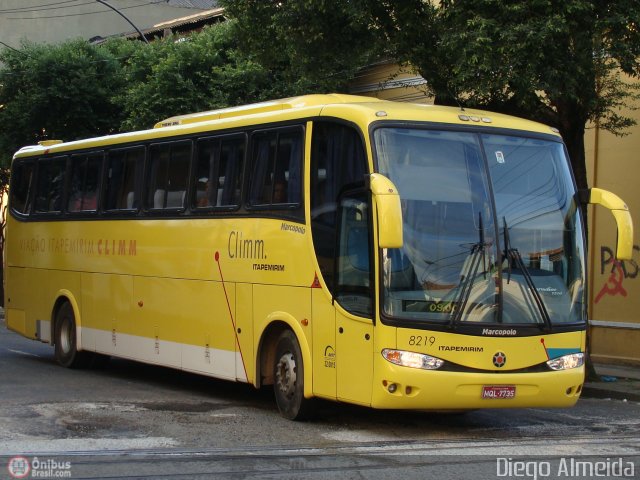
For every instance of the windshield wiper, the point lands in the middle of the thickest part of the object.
(477, 256)
(513, 255)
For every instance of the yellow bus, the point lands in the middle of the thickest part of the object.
(385, 254)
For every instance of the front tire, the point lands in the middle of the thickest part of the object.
(65, 338)
(288, 378)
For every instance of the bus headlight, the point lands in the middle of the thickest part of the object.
(566, 362)
(412, 359)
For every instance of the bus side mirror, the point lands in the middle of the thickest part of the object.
(387, 200)
(620, 211)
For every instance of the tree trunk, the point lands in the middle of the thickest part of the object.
(574, 140)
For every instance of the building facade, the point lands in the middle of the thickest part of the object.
(614, 298)
(42, 21)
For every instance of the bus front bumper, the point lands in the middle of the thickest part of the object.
(397, 387)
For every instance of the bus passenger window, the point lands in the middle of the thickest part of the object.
(219, 172)
(85, 178)
(277, 168)
(50, 184)
(21, 186)
(124, 173)
(168, 174)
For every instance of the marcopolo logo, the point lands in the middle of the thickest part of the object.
(21, 467)
(499, 359)
(500, 332)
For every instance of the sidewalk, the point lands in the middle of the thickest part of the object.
(616, 381)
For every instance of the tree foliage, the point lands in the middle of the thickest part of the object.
(56, 91)
(317, 45)
(555, 62)
(76, 90)
(201, 72)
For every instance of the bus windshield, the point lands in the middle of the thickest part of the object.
(491, 228)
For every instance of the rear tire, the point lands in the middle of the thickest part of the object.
(288, 378)
(65, 338)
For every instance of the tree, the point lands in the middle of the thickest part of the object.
(554, 62)
(76, 90)
(200, 72)
(61, 91)
(317, 45)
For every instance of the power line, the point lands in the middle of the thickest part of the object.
(154, 2)
(35, 8)
(14, 49)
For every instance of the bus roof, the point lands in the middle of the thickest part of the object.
(264, 107)
(359, 109)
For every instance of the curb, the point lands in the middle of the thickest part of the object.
(593, 391)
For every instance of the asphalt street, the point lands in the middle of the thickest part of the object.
(130, 420)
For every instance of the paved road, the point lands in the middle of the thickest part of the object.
(130, 420)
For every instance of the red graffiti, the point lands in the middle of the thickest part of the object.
(613, 285)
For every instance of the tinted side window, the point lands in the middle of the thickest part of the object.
(22, 178)
(124, 172)
(337, 159)
(219, 172)
(353, 283)
(50, 184)
(168, 175)
(276, 168)
(85, 178)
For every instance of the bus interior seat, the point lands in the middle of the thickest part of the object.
(158, 198)
(175, 199)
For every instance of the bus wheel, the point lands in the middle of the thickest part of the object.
(288, 375)
(66, 351)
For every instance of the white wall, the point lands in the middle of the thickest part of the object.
(80, 18)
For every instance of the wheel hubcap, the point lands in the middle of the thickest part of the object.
(286, 374)
(65, 336)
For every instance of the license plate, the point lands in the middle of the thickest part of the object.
(499, 391)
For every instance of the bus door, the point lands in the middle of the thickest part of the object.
(353, 298)
(340, 222)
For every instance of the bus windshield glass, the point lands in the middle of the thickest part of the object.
(492, 233)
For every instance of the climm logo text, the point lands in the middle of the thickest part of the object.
(80, 246)
(239, 247)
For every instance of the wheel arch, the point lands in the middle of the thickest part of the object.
(265, 355)
(65, 296)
